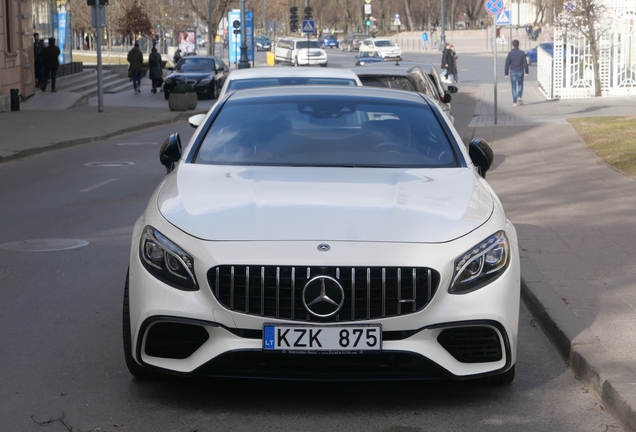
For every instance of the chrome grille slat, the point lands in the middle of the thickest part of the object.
(370, 292)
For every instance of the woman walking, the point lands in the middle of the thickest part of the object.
(154, 70)
(136, 60)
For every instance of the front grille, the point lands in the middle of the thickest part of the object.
(369, 292)
(385, 365)
(471, 344)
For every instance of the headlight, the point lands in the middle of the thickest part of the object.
(166, 261)
(481, 264)
(207, 80)
(168, 80)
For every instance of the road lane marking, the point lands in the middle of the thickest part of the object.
(88, 189)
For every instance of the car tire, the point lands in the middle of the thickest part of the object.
(504, 378)
(134, 368)
(295, 61)
(215, 91)
(323, 65)
(528, 60)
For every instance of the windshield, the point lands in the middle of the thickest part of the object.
(384, 43)
(273, 82)
(393, 82)
(195, 64)
(307, 44)
(326, 131)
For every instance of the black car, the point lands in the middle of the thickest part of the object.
(204, 73)
(352, 42)
(408, 77)
(263, 43)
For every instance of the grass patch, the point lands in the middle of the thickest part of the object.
(613, 139)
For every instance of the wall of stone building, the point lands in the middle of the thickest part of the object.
(16, 62)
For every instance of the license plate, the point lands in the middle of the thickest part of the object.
(324, 339)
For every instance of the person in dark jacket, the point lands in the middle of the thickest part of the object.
(51, 63)
(516, 67)
(451, 71)
(445, 58)
(136, 61)
(38, 48)
(154, 70)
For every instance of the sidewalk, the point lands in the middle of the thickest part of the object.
(574, 215)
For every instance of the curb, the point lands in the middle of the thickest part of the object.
(103, 137)
(590, 362)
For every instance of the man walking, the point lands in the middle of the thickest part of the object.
(516, 66)
(136, 60)
(51, 63)
(424, 40)
(38, 48)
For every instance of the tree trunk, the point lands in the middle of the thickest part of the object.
(407, 9)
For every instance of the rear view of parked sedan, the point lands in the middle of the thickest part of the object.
(310, 232)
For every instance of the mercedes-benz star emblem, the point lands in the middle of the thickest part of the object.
(323, 296)
(323, 247)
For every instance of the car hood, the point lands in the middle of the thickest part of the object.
(335, 204)
(190, 75)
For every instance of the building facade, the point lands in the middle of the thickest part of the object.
(16, 50)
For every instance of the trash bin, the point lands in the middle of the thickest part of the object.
(270, 58)
(15, 100)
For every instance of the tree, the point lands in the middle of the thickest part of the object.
(135, 22)
(586, 18)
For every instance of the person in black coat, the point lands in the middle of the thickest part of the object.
(154, 70)
(38, 47)
(51, 63)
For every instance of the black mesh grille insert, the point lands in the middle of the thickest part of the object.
(471, 344)
(369, 292)
(174, 340)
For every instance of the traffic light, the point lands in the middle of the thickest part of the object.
(368, 21)
(293, 19)
(309, 13)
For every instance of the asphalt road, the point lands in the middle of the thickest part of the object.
(60, 315)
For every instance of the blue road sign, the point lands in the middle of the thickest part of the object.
(308, 26)
(494, 7)
(503, 18)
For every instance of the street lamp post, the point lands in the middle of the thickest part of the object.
(442, 37)
(244, 62)
(210, 35)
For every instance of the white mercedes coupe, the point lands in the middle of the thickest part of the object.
(323, 232)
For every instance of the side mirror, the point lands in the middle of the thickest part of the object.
(452, 89)
(170, 152)
(196, 120)
(481, 154)
(447, 97)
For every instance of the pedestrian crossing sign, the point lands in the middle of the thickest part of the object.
(308, 26)
(503, 18)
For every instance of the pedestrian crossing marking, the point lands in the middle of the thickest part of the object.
(503, 18)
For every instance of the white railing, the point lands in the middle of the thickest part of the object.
(545, 71)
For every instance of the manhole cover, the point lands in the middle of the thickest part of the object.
(43, 245)
(137, 143)
(108, 164)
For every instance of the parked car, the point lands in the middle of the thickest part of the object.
(329, 40)
(299, 52)
(311, 232)
(387, 49)
(413, 78)
(531, 54)
(352, 42)
(241, 79)
(204, 73)
(263, 43)
(368, 57)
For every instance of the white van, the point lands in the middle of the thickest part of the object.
(300, 52)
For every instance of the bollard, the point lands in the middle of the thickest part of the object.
(15, 100)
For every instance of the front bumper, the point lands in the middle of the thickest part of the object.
(224, 342)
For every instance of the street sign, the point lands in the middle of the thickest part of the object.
(308, 26)
(503, 18)
(367, 9)
(494, 7)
